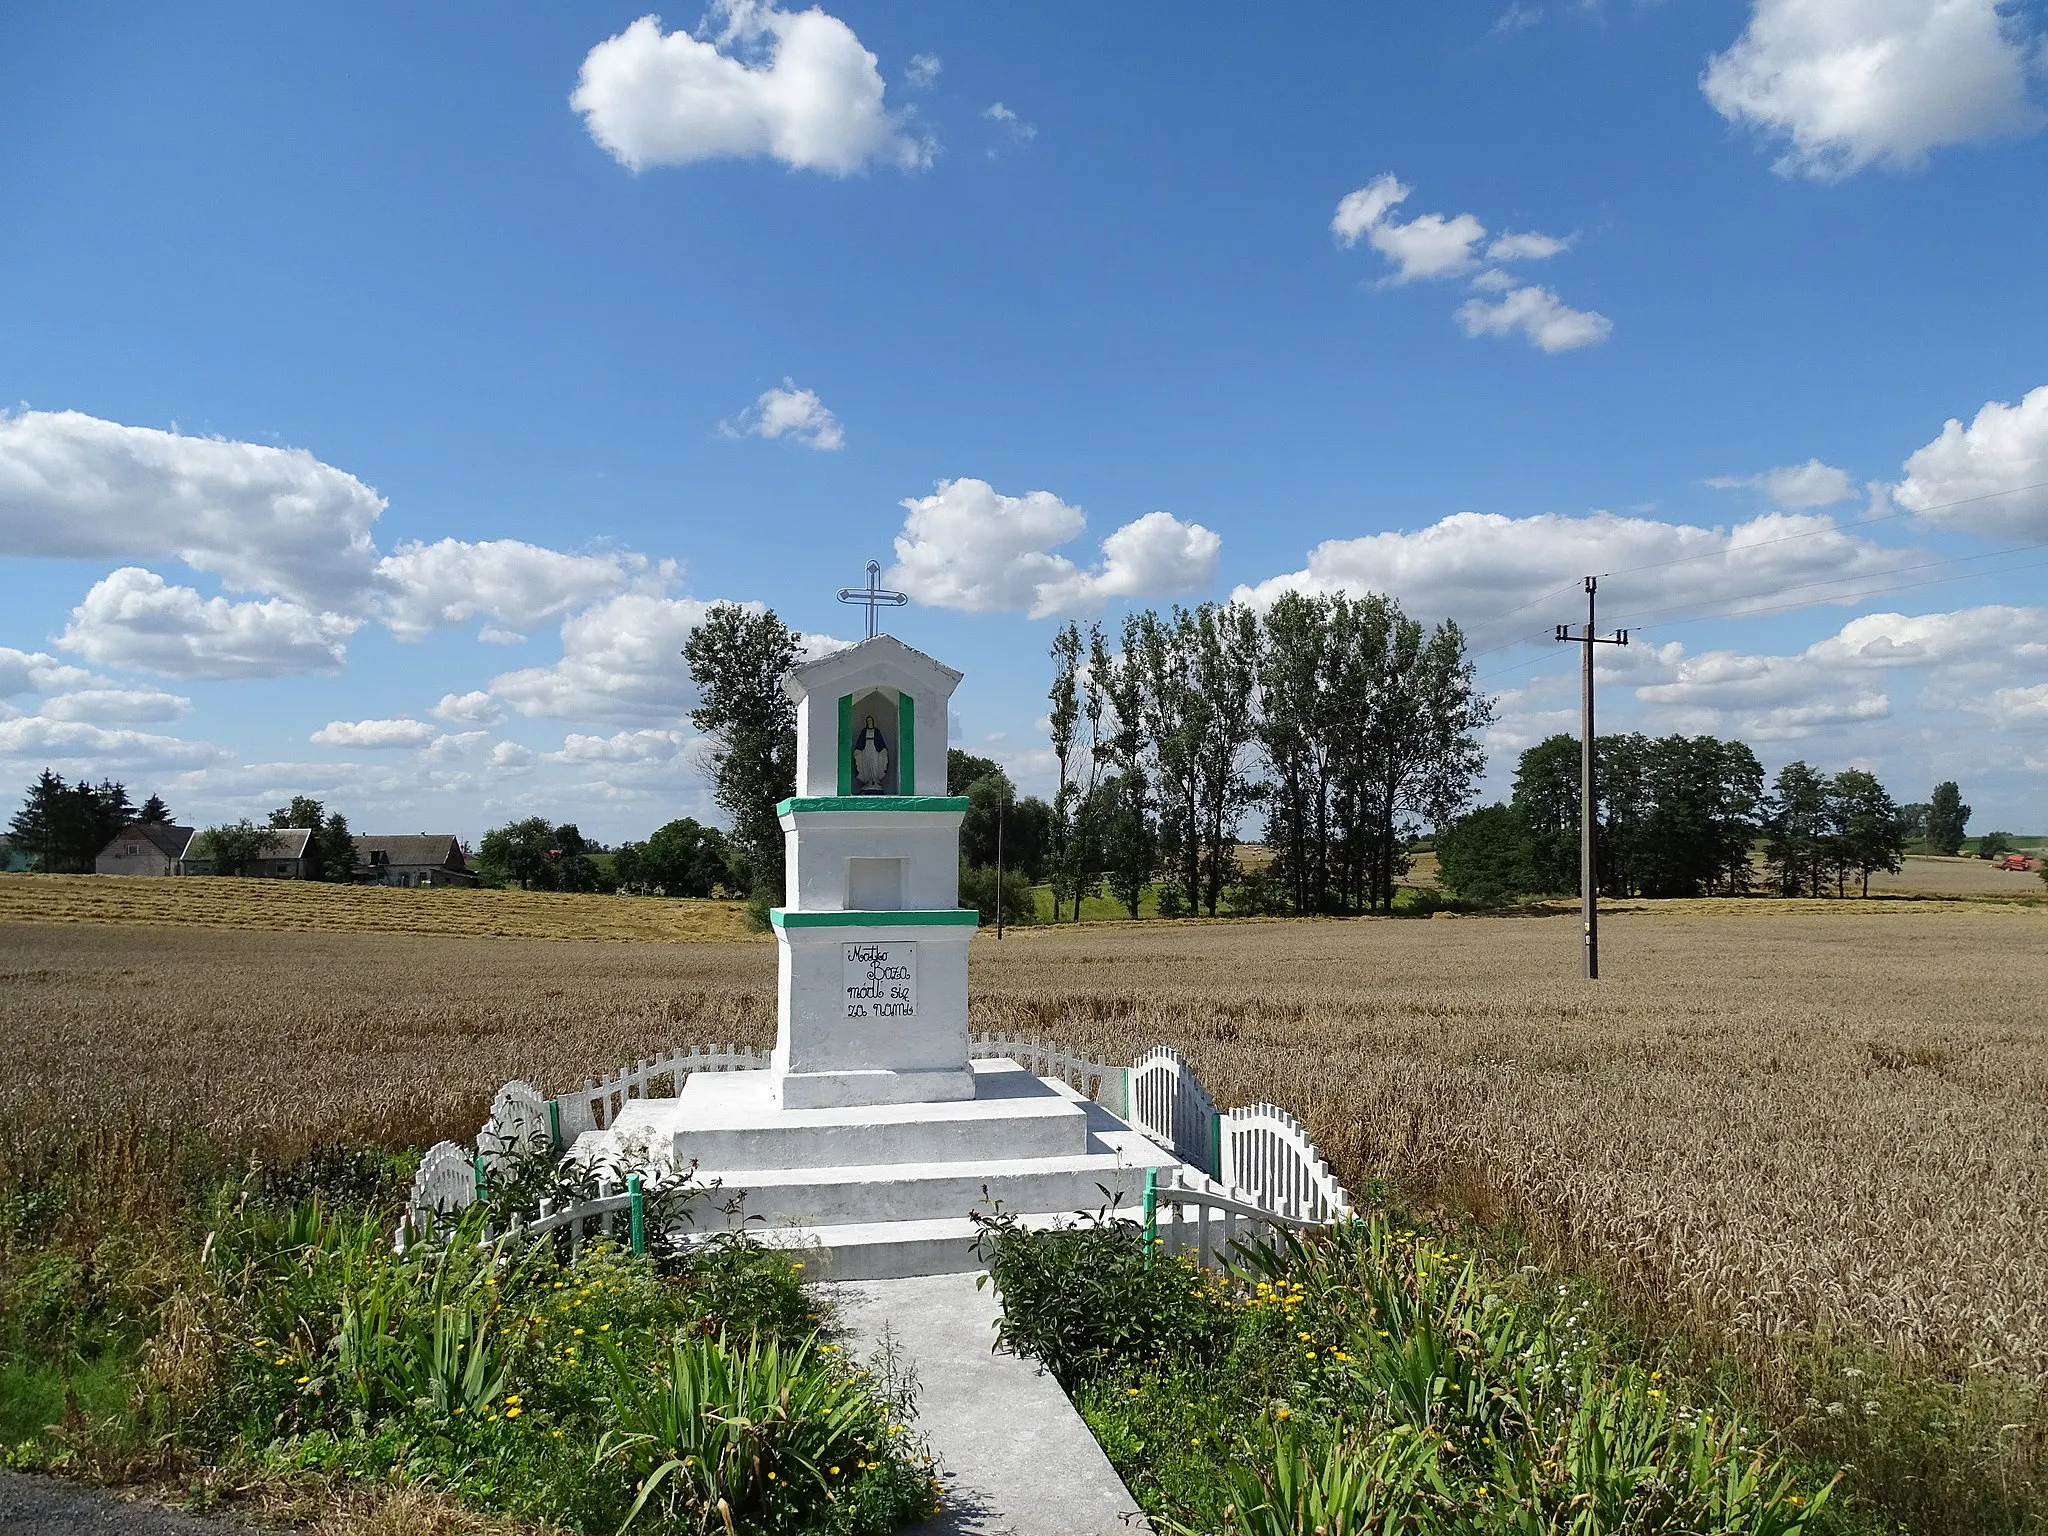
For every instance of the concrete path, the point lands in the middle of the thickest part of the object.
(1015, 1458)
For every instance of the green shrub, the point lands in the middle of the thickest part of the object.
(1365, 1379)
(1083, 1298)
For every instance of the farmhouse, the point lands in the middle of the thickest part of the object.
(289, 857)
(144, 848)
(426, 858)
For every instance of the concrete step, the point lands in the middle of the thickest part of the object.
(731, 1122)
(821, 1197)
(886, 1250)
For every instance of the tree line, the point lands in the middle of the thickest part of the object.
(680, 858)
(1352, 725)
(1687, 816)
(1346, 722)
(63, 827)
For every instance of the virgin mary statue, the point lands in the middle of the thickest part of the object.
(870, 758)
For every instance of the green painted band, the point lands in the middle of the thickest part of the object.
(906, 744)
(797, 803)
(948, 917)
(845, 780)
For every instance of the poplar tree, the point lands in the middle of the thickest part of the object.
(1947, 817)
(1065, 713)
(738, 660)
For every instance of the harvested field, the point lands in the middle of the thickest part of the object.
(1773, 1123)
(318, 908)
(1929, 875)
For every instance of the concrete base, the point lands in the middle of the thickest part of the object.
(828, 1090)
(886, 1191)
(729, 1122)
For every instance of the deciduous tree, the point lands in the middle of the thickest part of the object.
(1947, 819)
(1486, 856)
(738, 660)
(232, 847)
(1869, 833)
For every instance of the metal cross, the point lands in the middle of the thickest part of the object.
(873, 595)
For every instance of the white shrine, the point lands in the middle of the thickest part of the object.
(872, 1134)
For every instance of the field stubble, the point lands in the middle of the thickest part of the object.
(1766, 1127)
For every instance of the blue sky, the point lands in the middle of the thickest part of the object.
(379, 420)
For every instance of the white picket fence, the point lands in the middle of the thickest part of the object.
(1169, 1104)
(519, 1126)
(596, 1105)
(1256, 1163)
(1196, 1216)
(1100, 1079)
(446, 1183)
(1268, 1154)
(600, 1211)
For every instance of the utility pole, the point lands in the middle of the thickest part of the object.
(1002, 795)
(1589, 863)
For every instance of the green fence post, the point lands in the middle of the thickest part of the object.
(1151, 1213)
(1216, 1145)
(554, 1125)
(483, 1188)
(636, 1228)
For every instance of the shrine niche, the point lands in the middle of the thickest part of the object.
(877, 742)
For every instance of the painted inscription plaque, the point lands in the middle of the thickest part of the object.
(880, 980)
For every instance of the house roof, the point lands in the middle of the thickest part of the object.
(287, 843)
(167, 838)
(434, 849)
(872, 659)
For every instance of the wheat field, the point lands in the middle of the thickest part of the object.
(314, 907)
(1781, 1126)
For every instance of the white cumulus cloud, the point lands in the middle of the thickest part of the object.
(621, 662)
(134, 618)
(1527, 247)
(262, 519)
(36, 672)
(82, 748)
(970, 547)
(1425, 247)
(2016, 705)
(1797, 486)
(1851, 83)
(116, 706)
(1435, 246)
(1840, 680)
(373, 735)
(1538, 314)
(922, 70)
(1480, 567)
(797, 414)
(631, 748)
(425, 586)
(793, 85)
(473, 708)
(2005, 450)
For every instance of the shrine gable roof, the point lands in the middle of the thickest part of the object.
(882, 659)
